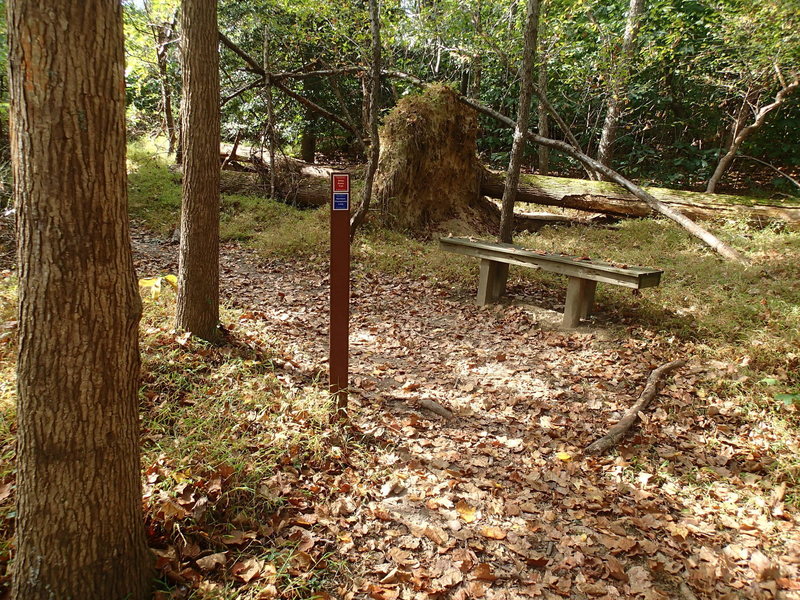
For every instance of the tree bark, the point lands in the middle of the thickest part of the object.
(80, 531)
(523, 116)
(619, 82)
(477, 60)
(198, 270)
(270, 133)
(740, 137)
(308, 139)
(374, 107)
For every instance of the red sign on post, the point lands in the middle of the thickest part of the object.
(338, 348)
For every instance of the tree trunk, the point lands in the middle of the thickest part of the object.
(477, 60)
(544, 119)
(523, 115)
(374, 107)
(198, 271)
(613, 199)
(79, 523)
(619, 82)
(162, 34)
(308, 140)
(740, 137)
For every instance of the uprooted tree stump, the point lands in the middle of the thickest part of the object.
(428, 170)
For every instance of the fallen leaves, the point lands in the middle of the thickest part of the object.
(495, 503)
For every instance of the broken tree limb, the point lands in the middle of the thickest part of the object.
(436, 408)
(758, 121)
(703, 234)
(612, 199)
(268, 80)
(618, 431)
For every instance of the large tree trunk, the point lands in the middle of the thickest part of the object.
(740, 135)
(523, 116)
(617, 97)
(613, 199)
(80, 532)
(198, 271)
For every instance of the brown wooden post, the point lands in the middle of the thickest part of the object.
(578, 292)
(340, 291)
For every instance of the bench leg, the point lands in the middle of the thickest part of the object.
(491, 282)
(580, 293)
(588, 299)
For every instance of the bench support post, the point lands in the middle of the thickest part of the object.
(492, 281)
(580, 295)
(588, 300)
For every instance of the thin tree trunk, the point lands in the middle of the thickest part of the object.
(374, 106)
(198, 270)
(523, 116)
(162, 34)
(270, 111)
(543, 117)
(79, 525)
(477, 59)
(619, 82)
(746, 132)
(308, 139)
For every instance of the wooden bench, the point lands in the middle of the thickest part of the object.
(583, 273)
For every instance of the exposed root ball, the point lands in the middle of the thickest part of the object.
(428, 170)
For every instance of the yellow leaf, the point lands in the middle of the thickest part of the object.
(466, 512)
(565, 456)
(148, 283)
(172, 280)
(155, 289)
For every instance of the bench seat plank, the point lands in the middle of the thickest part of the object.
(632, 277)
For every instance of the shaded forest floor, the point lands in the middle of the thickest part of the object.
(249, 493)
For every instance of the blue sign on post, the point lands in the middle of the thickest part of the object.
(341, 201)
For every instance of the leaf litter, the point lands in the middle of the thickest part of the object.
(497, 502)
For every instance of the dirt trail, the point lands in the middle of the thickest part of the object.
(497, 502)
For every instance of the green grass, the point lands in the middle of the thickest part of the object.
(154, 192)
(222, 412)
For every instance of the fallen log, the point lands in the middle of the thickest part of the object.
(610, 198)
(618, 431)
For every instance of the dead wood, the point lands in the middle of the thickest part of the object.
(618, 431)
(612, 199)
(435, 407)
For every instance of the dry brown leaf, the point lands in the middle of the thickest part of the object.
(483, 572)
(238, 538)
(615, 568)
(212, 561)
(492, 532)
(247, 570)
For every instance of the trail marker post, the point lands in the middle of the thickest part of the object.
(338, 349)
